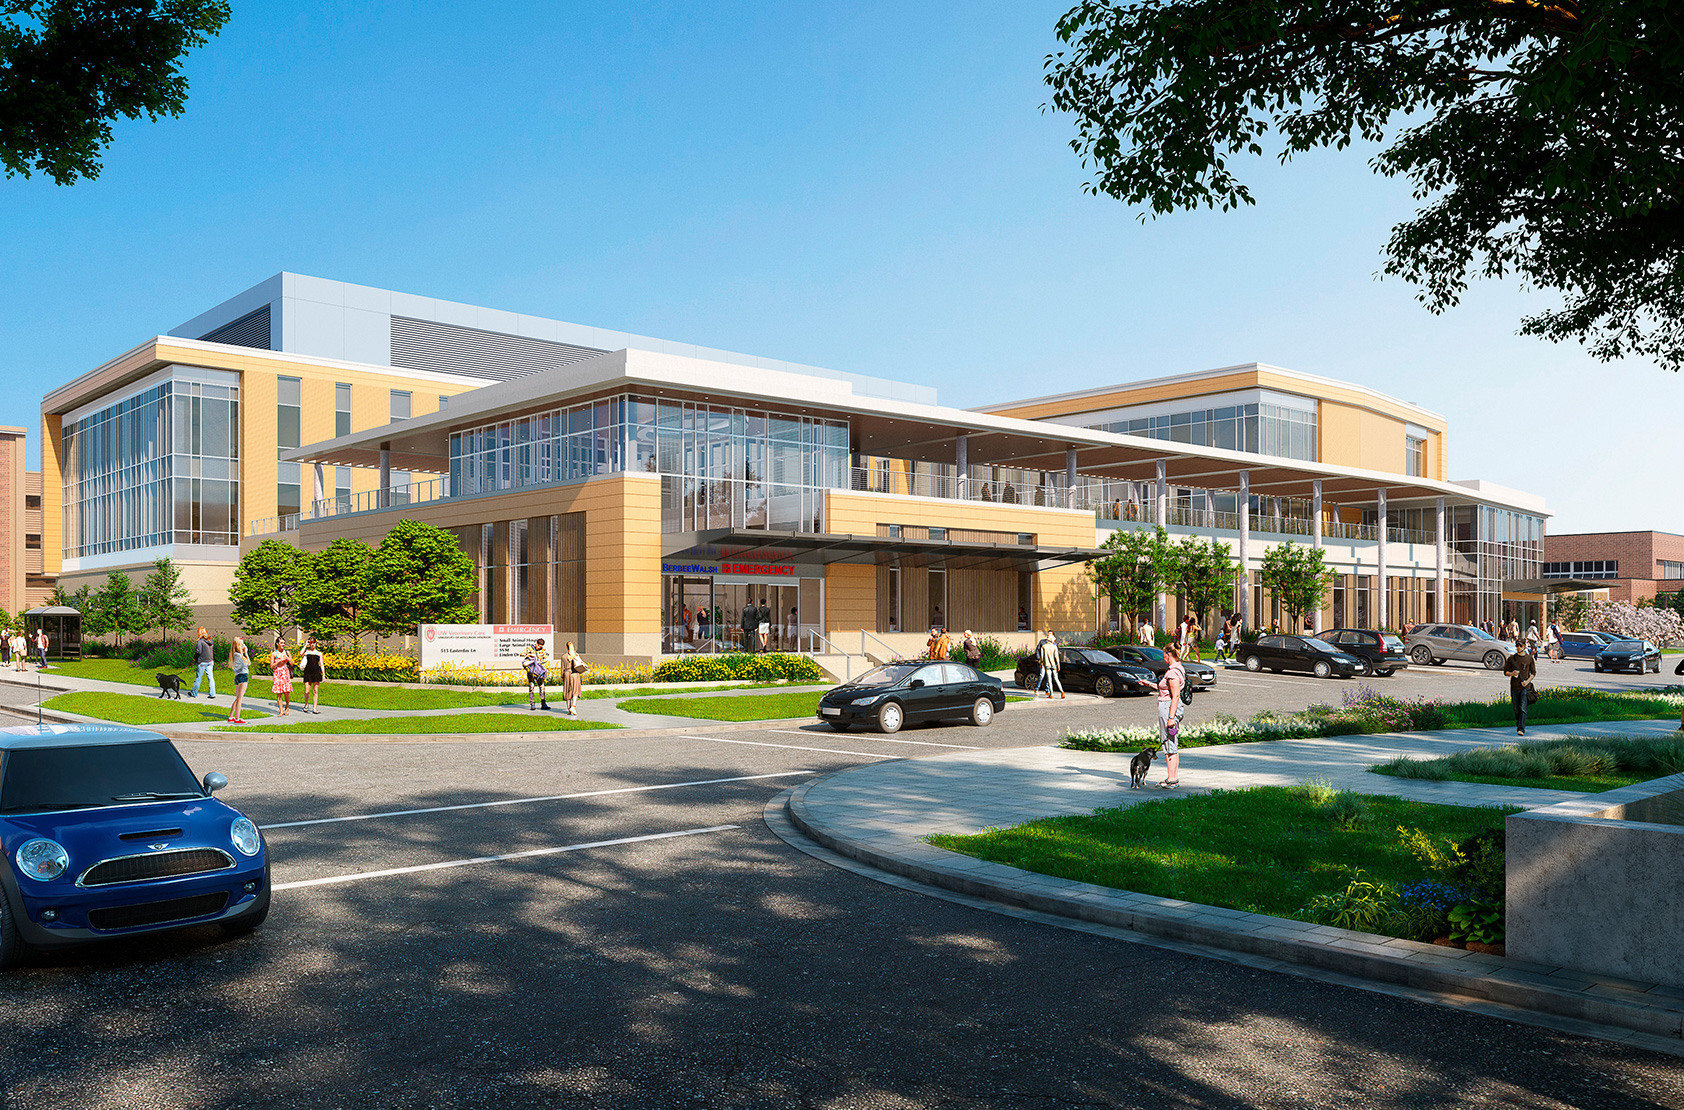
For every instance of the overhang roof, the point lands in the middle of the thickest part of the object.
(825, 548)
(1554, 585)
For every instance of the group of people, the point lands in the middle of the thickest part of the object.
(539, 667)
(16, 646)
(308, 667)
(695, 627)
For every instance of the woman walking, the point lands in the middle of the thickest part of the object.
(280, 667)
(971, 649)
(537, 664)
(573, 678)
(1169, 716)
(20, 653)
(240, 663)
(314, 673)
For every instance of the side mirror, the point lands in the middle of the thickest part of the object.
(214, 781)
(915, 684)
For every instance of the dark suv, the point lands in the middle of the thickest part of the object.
(1380, 653)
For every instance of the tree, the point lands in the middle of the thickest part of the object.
(116, 610)
(418, 575)
(1134, 575)
(164, 601)
(69, 68)
(1203, 573)
(335, 601)
(60, 598)
(1621, 618)
(266, 588)
(1673, 601)
(1540, 137)
(1571, 610)
(1295, 573)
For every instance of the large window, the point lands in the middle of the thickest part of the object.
(341, 409)
(1584, 568)
(157, 468)
(1414, 456)
(1263, 429)
(403, 404)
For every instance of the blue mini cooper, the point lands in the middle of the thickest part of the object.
(104, 832)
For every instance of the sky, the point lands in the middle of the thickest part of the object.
(874, 187)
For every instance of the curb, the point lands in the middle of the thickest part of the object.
(1363, 955)
(470, 737)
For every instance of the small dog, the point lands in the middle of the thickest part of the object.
(1139, 765)
(169, 685)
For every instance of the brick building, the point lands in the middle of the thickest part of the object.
(22, 581)
(1635, 565)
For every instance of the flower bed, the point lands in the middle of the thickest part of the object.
(353, 667)
(766, 667)
(472, 674)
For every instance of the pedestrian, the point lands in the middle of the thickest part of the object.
(204, 666)
(240, 663)
(750, 620)
(971, 649)
(41, 646)
(14, 646)
(314, 672)
(1194, 630)
(1555, 641)
(932, 646)
(1511, 632)
(537, 664)
(792, 631)
(1169, 716)
(1022, 619)
(763, 622)
(6, 648)
(573, 678)
(1521, 669)
(1145, 631)
(280, 670)
(937, 619)
(1225, 640)
(1047, 650)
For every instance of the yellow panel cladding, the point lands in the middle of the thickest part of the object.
(52, 493)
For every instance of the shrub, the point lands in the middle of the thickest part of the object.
(1480, 921)
(1361, 905)
(997, 655)
(1318, 792)
(764, 667)
(1346, 810)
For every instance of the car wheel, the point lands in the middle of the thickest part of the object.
(1387, 673)
(240, 926)
(840, 726)
(1364, 667)
(1252, 663)
(890, 717)
(1494, 660)
(12, 948)
(1421, 653)
(1104, 687)
(1023, 680)
(982, 712)
(1322, 669)
(1598, 667)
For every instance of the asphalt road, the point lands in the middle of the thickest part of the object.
(697, 961)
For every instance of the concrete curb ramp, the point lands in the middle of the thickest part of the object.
(1641, 1008)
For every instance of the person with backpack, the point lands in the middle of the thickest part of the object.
(971, 649)
(1173, 696)
(537, 664)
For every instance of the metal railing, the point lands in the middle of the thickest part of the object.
(848, 657)
(393, 497)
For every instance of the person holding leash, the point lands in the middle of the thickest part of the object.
(1170, 685)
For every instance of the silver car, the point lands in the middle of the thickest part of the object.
(1438, 643)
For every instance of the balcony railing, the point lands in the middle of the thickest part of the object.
(394, 497)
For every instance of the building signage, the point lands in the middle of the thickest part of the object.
(485, 645)
(760, 570)
(688, 568)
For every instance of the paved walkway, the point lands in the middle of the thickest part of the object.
(881, 813)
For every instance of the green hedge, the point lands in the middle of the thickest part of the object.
(767, 667)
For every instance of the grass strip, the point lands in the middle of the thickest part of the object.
(749, 707)
(343, 695)
(657, 691)
(1262, 849)
(442, 724)
(136, 709)
(1572, 763)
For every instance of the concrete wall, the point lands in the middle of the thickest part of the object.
(1590, 890)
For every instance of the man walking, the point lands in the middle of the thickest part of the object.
(1146, 633)
(1047, 651)
(751, 625)
(204, 659)
(41, 646)
(1521, 669)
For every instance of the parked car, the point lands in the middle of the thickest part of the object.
(1380, 653)
(106, 833)
(1629, 655)
(910, 691)
(1585, 645)
(1200, 676)
(1089, 669)
(1297, 653)
(1439, 643)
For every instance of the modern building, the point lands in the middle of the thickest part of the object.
(636, 493)
(24, 581)
(1632, 565)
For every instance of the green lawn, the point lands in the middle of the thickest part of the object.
(749, 707)
(1590, 763)
(345, 695)
(667, 691)
(428, 726)
(136, 709)
(1265, 849)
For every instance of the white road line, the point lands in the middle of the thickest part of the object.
(495, 859)
(521, 801)
(791, 747)
(885, 740)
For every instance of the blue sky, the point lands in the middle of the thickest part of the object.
(874, 189)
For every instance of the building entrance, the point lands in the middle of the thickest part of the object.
(707, 613)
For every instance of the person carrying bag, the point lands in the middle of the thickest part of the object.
(537, 664)
(573, 678)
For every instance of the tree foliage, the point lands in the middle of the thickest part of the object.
(164, 601)
(1202, 571)
(1132, 577)
(334, 602)
(267, 586)
(1661, 626)
(70, 68)
(1540, 136)
(418, 575)
(60, 597)
(1297, 575)
(115, 610)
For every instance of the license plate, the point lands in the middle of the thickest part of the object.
(829, 712)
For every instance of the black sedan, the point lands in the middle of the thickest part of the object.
(1089, 669)
(909, 691)
(1380, 653)
(1200, 676)
(1297, 653)
(1629, 655)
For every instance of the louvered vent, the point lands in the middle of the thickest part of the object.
(250, 330)
(470, 352)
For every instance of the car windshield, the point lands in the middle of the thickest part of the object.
(37, 779)
(1153, 654)
(1625, 645)
(1481, 634)
(890, 674)
(1097, 656)
(1318, 645)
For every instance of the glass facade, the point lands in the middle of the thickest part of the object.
(1414, 456)
(1489, 547)
(158, 468)
(1262, 429)
(1585, 568)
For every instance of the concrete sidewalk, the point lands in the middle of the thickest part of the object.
(881, 813)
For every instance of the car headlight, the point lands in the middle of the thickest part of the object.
(245, 838)
(42, 859)
(868, 699)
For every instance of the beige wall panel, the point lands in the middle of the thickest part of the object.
(850, 601)
(52, 493)
(1064, 600)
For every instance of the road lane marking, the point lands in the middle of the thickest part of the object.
(357, 876)
(884, 740)
(522, 801)
(791, 747)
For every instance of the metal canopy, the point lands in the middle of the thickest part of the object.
(826, 548)
(1555, 585)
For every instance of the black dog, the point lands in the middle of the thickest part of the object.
(169, 685)
(1138, 766)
